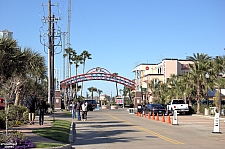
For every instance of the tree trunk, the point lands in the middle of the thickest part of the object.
(116, 90)
(81, 91)
(77, 82)
(198, 98)
(16, 102)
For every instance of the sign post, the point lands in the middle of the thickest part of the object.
(175, 119)
(216, 123)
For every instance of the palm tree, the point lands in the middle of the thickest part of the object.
(99, 93)
(69, 52)
(198, 70)
(21, 66)
(92, 90)
(34, 68)
(77, 60)
(127, 90)
(85, 55)
(116, 74)
(188, 89)
(219, 82)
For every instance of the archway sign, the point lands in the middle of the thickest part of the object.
(97, 74)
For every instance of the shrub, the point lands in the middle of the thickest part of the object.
(17, 115)
(2, 119)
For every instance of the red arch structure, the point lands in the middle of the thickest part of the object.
(97, 74)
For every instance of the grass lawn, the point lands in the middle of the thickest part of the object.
(67, 114)
(46, 145)
(59, 131)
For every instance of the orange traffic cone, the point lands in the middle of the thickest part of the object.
(169, 122)
(149, 115)
(144, 115)
(157, 117)
(163, 118)
(137, 114)
(153, 116)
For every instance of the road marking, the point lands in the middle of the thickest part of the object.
(147, 131)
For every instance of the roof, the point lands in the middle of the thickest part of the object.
(213, 92)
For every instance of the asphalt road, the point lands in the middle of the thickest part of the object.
(117, 129)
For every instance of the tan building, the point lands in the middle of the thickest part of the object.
(144, 73)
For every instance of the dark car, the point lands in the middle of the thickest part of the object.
(155, 108)
(91, 104)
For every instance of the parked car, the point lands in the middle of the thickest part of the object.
(91, 104)
(2, 103)
(154, 108)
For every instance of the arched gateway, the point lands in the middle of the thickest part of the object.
(97, 74)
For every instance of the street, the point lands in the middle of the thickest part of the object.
(117, 129)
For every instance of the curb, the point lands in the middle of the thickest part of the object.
(72, 131)
(67, 146)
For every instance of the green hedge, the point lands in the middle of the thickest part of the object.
(17, 115)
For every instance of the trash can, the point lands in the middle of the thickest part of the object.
(206, 111)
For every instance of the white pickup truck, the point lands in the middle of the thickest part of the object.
(178, 105)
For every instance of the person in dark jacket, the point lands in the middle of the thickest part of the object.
(74, 106)
(31, 106)
(41, 110)
(78, 110)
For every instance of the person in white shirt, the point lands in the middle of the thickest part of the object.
(84, 111)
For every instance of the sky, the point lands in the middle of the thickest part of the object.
(120, 34)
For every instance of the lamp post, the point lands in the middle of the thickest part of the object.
(207, 77)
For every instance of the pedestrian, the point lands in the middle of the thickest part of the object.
(84, 111)
(78, 108)
(74, 106)
(31, 104)
(41, 110)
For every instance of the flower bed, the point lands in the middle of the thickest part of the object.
(15, 139)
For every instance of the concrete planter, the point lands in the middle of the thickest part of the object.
(114, 107)
(105, 107)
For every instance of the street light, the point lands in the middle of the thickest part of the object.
(207, 77)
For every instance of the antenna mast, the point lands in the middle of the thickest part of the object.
(68, 38)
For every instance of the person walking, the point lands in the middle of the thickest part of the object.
(31, 104)
(84, 111)
(74, 106)
(78, 108)
(41, 110)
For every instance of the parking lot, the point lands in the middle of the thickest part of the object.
(110, 129)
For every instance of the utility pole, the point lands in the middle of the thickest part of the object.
(51, 52)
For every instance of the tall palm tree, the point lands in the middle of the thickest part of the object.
(219, 82)
(198, 70)
(92, 90)
(117, 92)
(77, 60)
(85, 55)
(69, 52)
(99, 93)
(188, 88)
